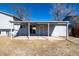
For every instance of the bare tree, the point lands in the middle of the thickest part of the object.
(59, 11)
(22, 12)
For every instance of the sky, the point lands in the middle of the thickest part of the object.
(38, 11)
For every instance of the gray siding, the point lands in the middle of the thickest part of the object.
(41, 30)
(23, 31)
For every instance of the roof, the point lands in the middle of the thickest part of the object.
(41, 22)
(8, 14)
(73, 18)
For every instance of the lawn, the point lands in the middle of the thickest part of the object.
(38, 47)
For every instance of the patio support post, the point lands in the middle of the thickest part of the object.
(29, 30)
(11, 31)
(43, 28)
(67, 31)
(48, 30)
(39, 30)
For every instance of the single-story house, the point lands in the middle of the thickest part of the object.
(13, 26)
(42, 28)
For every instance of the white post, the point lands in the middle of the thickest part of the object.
(39, 30)
(48, 30)
(11, 31)
(43, 28)
(29, 30)
(67, 34)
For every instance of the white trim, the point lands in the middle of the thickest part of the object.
(67, 31)
(39, 30)
(11, 31)
(29, 30)
(43, 28)
(48, 30)
(41, 22)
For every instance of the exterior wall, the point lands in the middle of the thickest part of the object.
(16, 28)
(59, 30)
(42, 30)
(4, 32)
(23, 31)
(5, 25)
(54, 30)
(4, 21)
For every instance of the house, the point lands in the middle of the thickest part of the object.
(11, 25)
(5, 25)
(42, 28)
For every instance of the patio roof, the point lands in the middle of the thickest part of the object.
(41, 22)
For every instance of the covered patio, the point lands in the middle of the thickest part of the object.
(42, 23)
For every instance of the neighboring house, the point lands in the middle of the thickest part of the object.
(5, 25)
(74, 25)
(12, 25)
